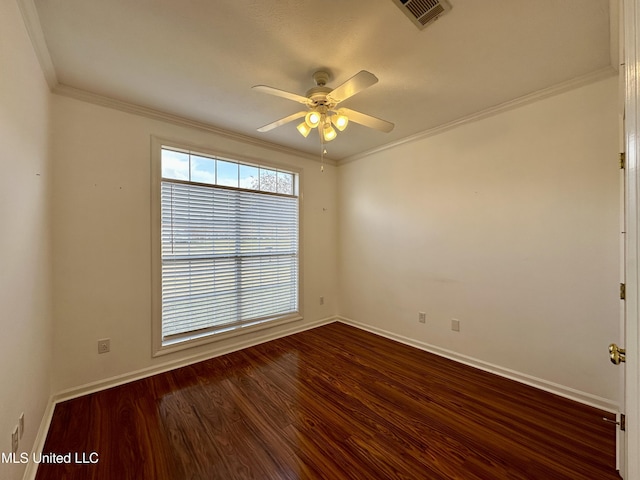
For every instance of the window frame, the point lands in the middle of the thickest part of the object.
(159, 347)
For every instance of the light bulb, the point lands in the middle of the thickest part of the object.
(304, 129)
(328, 133)
(340, 121)
(312, 118)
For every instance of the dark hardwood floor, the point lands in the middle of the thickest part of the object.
(331, 403)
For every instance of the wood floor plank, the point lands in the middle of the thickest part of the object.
(333, 402)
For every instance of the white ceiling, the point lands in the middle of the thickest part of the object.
(198, 59)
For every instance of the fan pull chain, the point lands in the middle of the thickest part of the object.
(322, 152)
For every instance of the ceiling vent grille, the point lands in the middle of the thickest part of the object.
(423, 12)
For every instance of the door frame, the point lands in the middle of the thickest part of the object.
(631, 335)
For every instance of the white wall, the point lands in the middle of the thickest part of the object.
(25, 261)
(509, 224)
(101, 238)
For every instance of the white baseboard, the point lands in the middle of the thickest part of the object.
(41, 436)
(561, 390)
(38, 444)
(96, 386)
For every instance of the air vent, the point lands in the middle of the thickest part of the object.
(423, 12)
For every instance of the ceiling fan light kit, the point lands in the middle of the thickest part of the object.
(312, 119)
(304, 129)
(322, 116)
(340, 121)
(322, 101)
(328, 132)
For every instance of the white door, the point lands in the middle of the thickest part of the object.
(629, 455)
(621, 434)
(621, 430)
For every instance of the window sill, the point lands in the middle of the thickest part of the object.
(167, 348)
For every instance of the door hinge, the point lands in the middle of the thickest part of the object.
(622, 423)
(623, 291)
(622, 159)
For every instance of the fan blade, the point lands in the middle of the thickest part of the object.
(368, 120)
(355, 84)
(282, 121)
(281, 93)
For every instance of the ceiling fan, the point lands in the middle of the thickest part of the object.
(322, 106)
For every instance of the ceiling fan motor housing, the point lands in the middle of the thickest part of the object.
(318, 94)
(321, 78)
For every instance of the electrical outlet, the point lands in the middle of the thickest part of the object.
(321, 300)
(455, 324)
(14, 439)
(104, 345)
(21, 424)
(422, 317)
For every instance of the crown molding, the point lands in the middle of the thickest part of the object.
(616, 37)
(135, 109)
(574, 83)
(104, 101)
(34, 29)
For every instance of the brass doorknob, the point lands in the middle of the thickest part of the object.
(616, 354)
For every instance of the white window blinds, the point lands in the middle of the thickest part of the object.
(229, 257)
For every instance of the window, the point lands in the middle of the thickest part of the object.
(226, 245)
